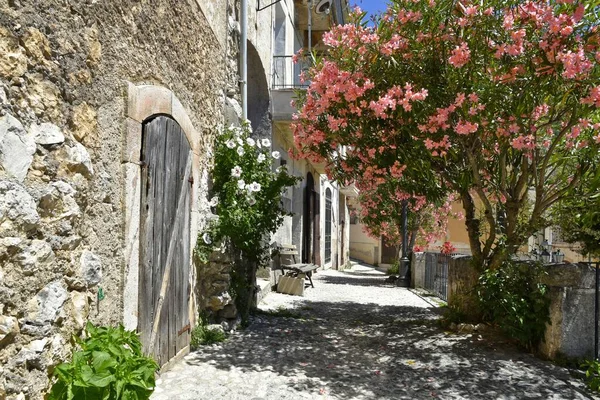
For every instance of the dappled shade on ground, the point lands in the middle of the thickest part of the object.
(356, 337)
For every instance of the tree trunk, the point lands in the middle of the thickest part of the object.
(472, 224)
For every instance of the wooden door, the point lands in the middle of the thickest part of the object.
(164, 289)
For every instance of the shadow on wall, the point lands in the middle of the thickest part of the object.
(259, 99)
(354, 350)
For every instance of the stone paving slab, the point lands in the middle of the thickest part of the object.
(355, 337)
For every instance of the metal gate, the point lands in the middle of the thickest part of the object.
(164, 289)
(436, 274)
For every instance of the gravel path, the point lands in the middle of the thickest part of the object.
(355, 337)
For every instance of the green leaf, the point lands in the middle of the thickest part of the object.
(102, 361)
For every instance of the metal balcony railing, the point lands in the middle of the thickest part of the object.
(286, 73)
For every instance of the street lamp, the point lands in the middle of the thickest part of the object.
(404, 281)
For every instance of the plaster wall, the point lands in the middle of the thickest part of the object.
(362, 246)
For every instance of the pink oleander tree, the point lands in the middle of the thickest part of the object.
(494, 100)
(381, 208)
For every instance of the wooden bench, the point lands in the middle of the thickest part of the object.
(287, 262)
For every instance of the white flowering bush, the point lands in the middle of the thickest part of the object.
(246, 196)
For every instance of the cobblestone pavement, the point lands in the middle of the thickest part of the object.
(356, 337)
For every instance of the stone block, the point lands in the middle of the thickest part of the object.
(17, 208)
(562, 275)
(145, 101)
(13, 61)
(133, 141)
(45, 307)
(9, 328)
(58, 201)
(84, 123)
(37, 45)
(182, 117)
(46, 134)
(16, 147)
(80, 308)
(37, 254)
(90, 267)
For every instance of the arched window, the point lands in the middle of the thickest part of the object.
(327, 225)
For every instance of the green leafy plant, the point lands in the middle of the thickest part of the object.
(592, 374)
(247, 198)
(513, 298)
(109, 365)
(394, 269)
(202, 334)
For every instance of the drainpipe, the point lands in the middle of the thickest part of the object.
(309, 27)
(244, 58)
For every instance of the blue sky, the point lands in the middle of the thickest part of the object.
(370, 6)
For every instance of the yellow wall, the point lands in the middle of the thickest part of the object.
(362, 246)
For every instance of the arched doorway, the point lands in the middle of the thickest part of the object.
(310, 236)
(165, 209)
(259, 99)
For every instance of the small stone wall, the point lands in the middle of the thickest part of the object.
(214, 279)
(417, 270)
(462, 278)
(571, 330)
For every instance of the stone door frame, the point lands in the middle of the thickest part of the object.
(143, 102)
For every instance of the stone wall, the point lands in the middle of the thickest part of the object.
(571, 329)
(214, 280)
(64, 73)
(462, 278)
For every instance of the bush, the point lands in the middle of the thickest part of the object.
(202, 334)
(513, 298)
(592, 374)
(394, 269)
(110, 365)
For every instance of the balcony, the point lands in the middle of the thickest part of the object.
(286, 80)
(286, 73)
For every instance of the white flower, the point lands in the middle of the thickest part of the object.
(230, 144)
(239, 140)
(250, 142)
(248, 125)
(240, 151)
(241, 184)
(251, 200)
(254, 187)
(236, 171)
(261, 157)
(258, 145)
(206, 238)
(276, 154)
(279, 169)
(214, 201)
(266, 142)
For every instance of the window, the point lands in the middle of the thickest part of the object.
(327, 225)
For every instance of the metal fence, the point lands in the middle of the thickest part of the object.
(286, 73)
(436, 274)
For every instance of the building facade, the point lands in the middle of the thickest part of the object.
(319, 226)
(108, 111)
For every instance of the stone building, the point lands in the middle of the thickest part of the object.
(108, 110)
(82, 84)
(318, 227)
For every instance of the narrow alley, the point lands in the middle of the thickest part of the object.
(354, 336)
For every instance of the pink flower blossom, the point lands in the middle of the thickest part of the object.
(460, 55)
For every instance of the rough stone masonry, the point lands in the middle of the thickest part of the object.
(64, 71)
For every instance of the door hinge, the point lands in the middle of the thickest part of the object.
(184, 329)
